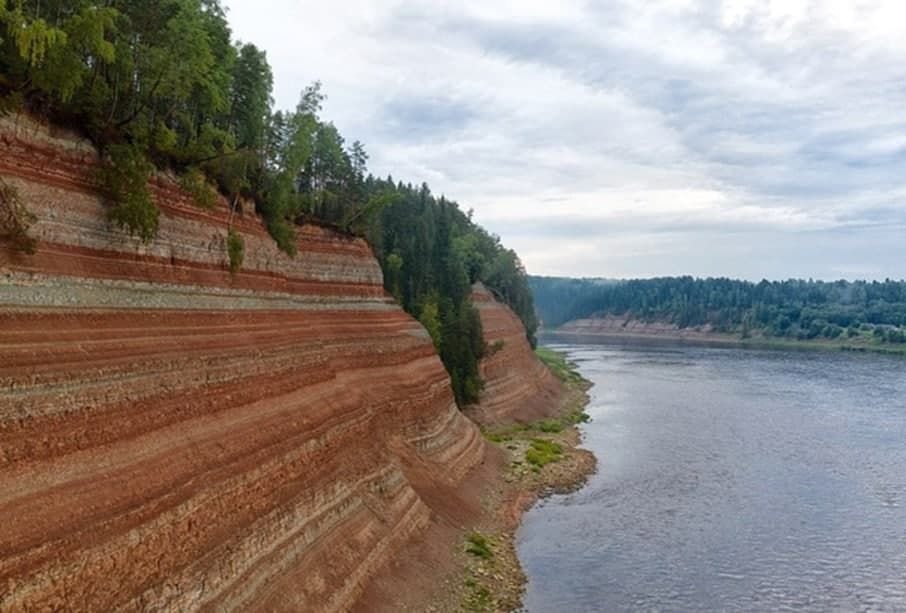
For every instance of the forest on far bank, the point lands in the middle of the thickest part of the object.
(161, 85)
(792, 309)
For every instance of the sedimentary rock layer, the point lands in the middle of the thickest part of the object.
(517, 385)
(174, 437)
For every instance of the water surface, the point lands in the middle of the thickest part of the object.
(730, 480)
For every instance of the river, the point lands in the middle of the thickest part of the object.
(729, 480)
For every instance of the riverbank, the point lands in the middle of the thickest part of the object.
(541, 458)
(467, 560)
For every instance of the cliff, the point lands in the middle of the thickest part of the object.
(518, 387)
(174, 437)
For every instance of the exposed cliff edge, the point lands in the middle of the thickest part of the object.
(517, 385)
(175, 437)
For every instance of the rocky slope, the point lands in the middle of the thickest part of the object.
(174, 437)
(517, 385)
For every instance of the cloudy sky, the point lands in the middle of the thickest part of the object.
(626, 138)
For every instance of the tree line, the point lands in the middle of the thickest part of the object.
(162, 85)
(794, 309)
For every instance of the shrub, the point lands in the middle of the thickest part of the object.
(551, 426)
(196, 185)
(284, 234)
(123, 179)
(478, 545)
(542, 452)
(236, 250)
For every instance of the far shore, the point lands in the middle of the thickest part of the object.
(716, 339)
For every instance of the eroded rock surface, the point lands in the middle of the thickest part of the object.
(174, 437)
(518, 387)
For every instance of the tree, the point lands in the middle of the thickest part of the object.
(250, 100)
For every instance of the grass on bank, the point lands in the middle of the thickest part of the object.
(562, 368)
(542, 452)
(478, 596)
(478, 545)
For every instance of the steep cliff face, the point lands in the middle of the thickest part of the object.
(174, 437)
(518, 387)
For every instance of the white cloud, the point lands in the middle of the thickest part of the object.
(671, 136)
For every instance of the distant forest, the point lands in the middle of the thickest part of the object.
(162, 85)
(793, 309)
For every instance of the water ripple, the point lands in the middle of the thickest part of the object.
(730, 481)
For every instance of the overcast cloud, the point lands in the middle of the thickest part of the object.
(746, 138)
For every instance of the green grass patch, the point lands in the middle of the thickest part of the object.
(562, 368)
(551, 426)
(478, 545)
(543, 452)
(495, 437)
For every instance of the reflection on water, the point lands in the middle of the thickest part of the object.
(730, 480)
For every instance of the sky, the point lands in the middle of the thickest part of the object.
(626, 138)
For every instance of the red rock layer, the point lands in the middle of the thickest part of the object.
(176, 438)
(517, 385)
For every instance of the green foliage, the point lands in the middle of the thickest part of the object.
(251, 98)
(550, 426)
(236, 250)
(15, 220)
(196, 185)
(496, 437)
(430, 319)
(123, 178)
(542, 452)
(478, 598)
(478, 545)
(33, 37)
(431, 254)
(393, 266)
(284, 234)
(794, 309)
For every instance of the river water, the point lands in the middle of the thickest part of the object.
(730, 480)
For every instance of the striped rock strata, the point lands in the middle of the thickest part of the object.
(173, 437)
(518, 387)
